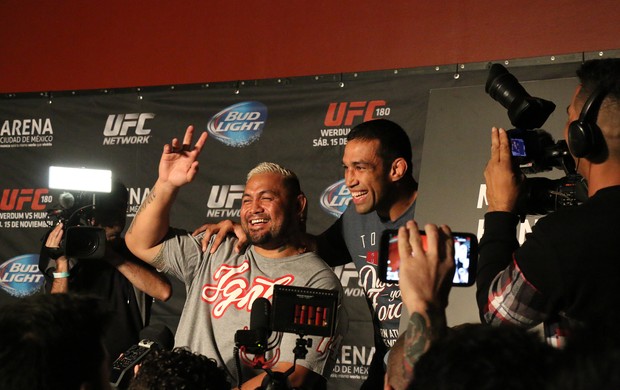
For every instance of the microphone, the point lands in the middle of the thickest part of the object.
(66, 200)
(152, 337)
(255, 339)
(259, 321)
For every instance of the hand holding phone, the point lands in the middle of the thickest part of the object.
(465, 257)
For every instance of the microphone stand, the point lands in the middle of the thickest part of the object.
(279, 380)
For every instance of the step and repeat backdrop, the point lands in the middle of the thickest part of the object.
(299, 123)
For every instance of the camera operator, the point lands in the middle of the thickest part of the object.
(119, 278)
(567, 270)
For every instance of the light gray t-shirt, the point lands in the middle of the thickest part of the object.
(221, 289)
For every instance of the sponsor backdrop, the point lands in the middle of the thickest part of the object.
(300, 123)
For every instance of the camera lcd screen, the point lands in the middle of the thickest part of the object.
(517, 147)
(465, 257)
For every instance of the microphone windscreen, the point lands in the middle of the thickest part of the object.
(160, 334)
(261, 315)
(66, 200)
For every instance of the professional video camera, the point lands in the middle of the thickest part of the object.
(533, 149)
(299, 310)
(75, 208)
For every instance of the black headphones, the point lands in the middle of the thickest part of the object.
(584, 136)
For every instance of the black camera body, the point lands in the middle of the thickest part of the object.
(85, 242)
(534, 150)
(80, 239)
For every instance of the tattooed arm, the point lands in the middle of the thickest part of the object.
(177, 167)
(425, 282)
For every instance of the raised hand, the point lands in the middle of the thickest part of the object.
(179, 161)
(425, 273)
(502, 181)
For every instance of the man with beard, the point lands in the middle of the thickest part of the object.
(222, 286)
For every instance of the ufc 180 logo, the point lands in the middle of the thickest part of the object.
(17, 199)
(118, 125)
(344, 113)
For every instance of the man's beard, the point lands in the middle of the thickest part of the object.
(270, 238)
(259, 239)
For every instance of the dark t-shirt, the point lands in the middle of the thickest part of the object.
(356, 237)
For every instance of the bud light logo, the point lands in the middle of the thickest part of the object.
(336, 198)
(20, 275)
(239, 125)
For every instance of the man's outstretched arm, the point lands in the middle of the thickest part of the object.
(177, 167)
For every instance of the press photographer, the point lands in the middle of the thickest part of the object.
(567, 269)
(97, 262)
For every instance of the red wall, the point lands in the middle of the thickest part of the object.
(76, 44)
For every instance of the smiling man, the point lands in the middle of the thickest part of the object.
(378, 173)
(221, 286)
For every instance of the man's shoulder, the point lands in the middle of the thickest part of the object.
(605, 201)
(320, 266)
(311, 262)
(318, 261)
(182, 234)
(312, 255)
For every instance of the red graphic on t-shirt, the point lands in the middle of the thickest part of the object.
(372, 257)
(232, 288)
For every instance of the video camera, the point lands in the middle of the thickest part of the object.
(533, 149)
(75, 209)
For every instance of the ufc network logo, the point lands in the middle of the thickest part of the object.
(345, 113)
(16, 199)
(225, 196)
(118, 125)
(347, 274)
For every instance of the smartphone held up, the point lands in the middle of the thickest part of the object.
(465, 257)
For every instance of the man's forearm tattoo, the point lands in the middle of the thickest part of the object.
(149, 199)
(416, 340)
(420, 333)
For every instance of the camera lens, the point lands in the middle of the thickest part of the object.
(85, 242)
(524, 111)
(503, 86)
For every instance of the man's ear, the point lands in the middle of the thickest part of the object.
(302, 207)
(301, 211)
(398, 169)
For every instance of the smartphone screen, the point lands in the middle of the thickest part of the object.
(465, 257)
